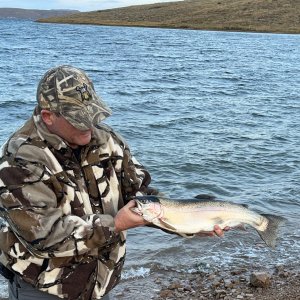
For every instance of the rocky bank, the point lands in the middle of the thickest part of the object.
(276, 283)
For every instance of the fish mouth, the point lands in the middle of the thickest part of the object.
(138, 208)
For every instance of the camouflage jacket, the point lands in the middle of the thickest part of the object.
(58, 208)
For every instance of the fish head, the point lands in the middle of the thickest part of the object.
(148, 208)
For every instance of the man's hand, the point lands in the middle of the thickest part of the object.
(216, 232)
(126, 218)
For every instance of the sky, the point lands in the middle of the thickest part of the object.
(82, 5)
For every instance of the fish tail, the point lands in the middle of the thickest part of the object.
(269, 235)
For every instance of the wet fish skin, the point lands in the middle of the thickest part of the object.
(187, 217)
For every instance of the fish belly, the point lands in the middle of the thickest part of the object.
(200, 220)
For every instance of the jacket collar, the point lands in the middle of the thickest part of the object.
(54, 140)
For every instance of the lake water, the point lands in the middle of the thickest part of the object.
(205, 112)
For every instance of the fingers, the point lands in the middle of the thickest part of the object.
(205, 234)
(218, 231)
(131, 204)
(126, 218)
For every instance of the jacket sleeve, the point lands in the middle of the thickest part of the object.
(33, 203)
(34, 214)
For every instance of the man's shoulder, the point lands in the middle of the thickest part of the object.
(25, 135)
(104, 131)
(104, 128)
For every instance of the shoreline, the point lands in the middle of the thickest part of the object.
(171, 28)
(283, 282)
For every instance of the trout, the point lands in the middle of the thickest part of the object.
(187, 217)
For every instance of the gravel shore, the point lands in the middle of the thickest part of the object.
(277, 283)
(280, 283)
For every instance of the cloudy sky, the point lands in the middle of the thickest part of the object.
(82, 5)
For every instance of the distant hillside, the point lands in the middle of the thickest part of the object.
(235, 15)
(33, 14)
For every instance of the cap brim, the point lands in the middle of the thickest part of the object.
(85, 117)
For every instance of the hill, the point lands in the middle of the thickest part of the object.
(281, 16)
(33, 14)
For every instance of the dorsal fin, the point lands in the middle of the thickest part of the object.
(206, 197)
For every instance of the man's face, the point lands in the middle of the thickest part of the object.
(73, 136)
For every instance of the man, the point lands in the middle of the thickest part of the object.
(66, 181)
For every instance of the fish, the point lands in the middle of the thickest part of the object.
(187, 217)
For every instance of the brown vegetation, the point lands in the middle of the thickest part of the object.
(33, 14)
(280, 16)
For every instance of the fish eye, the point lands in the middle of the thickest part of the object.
(144, 201)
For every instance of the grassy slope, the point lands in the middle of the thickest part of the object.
(241, 15)
(33, 14)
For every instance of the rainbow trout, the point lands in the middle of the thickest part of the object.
(188, 217)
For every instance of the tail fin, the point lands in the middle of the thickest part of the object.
(270, 234)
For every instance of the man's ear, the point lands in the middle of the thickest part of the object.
(47, 116)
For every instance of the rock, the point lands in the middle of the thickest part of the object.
(279, 268)
(284, 274)
(157, 280)
(238, 271)
(174, 286)
(166, 293)
(220, 294)
(216, 283)
(211, 276)
(228, 284)
(187, 287)
(260, 279)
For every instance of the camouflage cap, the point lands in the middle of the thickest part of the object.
(69, 92)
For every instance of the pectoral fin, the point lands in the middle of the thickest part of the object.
(167, 225)
(186, 235)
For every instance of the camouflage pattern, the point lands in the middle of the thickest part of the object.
(58, 209)
(69, 92)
